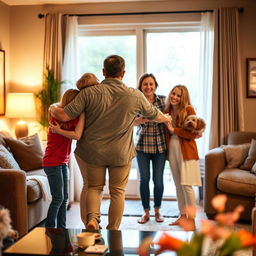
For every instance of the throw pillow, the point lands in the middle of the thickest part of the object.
(253, 170)
(27, 151)
(235, 154)
(6, 159)
(2, 135)
(251, 158)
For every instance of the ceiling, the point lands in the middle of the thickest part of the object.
(41, 2)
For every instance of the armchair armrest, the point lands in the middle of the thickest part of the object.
(214, 164)
(13, 196)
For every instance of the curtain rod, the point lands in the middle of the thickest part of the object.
(40, 15)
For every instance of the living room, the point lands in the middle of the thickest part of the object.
(22, 39)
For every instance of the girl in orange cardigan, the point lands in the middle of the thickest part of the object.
(183, 154)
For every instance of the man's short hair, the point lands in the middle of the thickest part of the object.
(114, 65)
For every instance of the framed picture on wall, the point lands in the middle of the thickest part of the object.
(251, 77)
(2, 82)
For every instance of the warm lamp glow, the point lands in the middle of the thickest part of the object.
(20, 105)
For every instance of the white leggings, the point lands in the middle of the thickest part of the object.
(185, 193)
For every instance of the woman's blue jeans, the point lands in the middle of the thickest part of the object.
(158, 163)
(58, 181)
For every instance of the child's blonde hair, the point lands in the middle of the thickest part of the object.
(68, 96)
(86, 80)
(184, 102)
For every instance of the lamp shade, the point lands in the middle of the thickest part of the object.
(20, 105)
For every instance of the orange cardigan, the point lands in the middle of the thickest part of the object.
(186, 138)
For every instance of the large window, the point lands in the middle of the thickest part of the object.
(171, 53)
(173, 57)
(94, 49)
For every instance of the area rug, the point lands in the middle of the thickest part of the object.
(133, 208)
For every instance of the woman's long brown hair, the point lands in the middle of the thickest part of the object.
(184, 102)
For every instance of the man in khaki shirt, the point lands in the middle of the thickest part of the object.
(107, 142)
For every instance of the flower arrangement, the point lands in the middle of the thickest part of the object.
(216, 238)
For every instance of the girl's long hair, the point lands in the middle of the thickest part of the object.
(184, 102)
(68, 96)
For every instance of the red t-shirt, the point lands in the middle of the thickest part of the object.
(58, 147)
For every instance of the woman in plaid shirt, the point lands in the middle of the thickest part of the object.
(151, 146)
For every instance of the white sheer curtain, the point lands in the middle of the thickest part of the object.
(70, 68)
(70, 74)
(206, 75)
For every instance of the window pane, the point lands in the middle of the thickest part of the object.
(173, 57)
(94, 49)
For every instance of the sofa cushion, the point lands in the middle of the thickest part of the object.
(6, 159)
(27, 151)
(235, 154)
(33, 191)
(237, 182)
(251, 158)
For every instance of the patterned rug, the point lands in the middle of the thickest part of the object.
(133, 208)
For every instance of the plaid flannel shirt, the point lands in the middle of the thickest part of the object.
(151, 134)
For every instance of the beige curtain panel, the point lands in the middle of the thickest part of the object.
(53, 43)
(227, 105)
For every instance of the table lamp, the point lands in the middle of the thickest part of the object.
(20, 105)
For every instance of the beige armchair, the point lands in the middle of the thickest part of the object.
(239, 185)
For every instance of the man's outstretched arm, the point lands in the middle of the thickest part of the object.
(161, 118)
(58, 113)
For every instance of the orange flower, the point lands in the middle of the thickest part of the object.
(246, 238)
(167, 242)
(219, 202)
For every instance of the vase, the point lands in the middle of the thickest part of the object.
(210, 247)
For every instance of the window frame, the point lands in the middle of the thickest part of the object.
(139, 30)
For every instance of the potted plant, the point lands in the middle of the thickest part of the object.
(49, 94)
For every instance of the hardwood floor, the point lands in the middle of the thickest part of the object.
(74, 221)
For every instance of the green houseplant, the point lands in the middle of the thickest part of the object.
(49, 94)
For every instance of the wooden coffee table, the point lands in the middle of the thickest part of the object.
(48, 241)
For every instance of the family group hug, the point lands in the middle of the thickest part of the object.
(101, 116)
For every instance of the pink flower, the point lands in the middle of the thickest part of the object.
(229, 218)
(219, 202)
(209, 228)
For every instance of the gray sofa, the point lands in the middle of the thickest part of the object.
(238, 184)
(23, 197)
